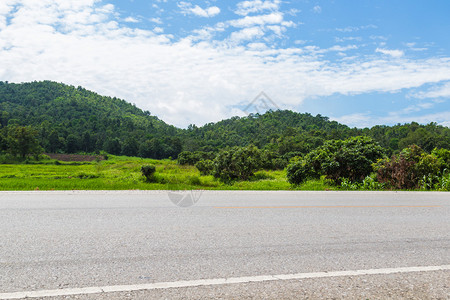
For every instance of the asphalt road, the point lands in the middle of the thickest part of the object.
(59, 240)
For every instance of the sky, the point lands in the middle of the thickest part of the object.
(359, 62)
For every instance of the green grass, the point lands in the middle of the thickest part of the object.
(123, 173)
(321, 184)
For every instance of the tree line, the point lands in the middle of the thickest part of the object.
(57, 118)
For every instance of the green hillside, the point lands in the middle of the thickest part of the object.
(73, 120)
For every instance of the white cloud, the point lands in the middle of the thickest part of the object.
(188, 8)
(273, 18)
(246, 34)
(354, 29)
(156, 20)
(131, 20)
(158, 30)
(349, 38)
(393, 53)
(343, 48)
(317, 9)
(436, 92)
(256, 6)
(182, 82)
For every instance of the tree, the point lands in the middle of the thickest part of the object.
(113, 146)
(72, 143)
(55, 142)
(151, 149)
(22, 141)
(87, 142)
(351, 158)
(130, 147)
(237, 163)
(3, 141)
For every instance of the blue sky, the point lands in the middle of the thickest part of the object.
(359, 62)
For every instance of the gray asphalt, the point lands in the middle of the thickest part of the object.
(52, 240)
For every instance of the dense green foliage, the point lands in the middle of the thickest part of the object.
(191, 158)
(205, 166)
(148, 172)
(20, 141)
(337, 159)
(57, 118)
(413, 168)
(71, 120)
(237, 163)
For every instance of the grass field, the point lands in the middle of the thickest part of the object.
(123, 173)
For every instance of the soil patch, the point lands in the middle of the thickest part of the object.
(74, 157)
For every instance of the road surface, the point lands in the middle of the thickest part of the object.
(64, 240)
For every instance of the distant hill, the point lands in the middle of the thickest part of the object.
(72, 119)
(287, 131)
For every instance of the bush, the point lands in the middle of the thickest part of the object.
(299, 171)
(444, 156)
(272, 161)
(205, 167)
(148, 172)
(194, 180)
(237, 163)
(191, 158)
(346, 184)
(337, 159)
(444, 183)
(412, 168)
(368, 184)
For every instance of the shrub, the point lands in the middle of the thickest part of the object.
(186, 158)
(279, 163)
(337, 159)
(370, 183)
(444, 156)
(346, 184)
(412, 168)
(444, 183)
(205, 167)
(194, 180)
(191, 158)
(237, 163)
(148, 172)
(299, 171)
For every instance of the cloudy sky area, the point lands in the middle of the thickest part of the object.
(360, 62)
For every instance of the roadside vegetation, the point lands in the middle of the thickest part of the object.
(96, 142)
(236, 169)
(122, 173)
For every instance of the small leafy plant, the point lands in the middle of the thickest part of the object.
(148, 172)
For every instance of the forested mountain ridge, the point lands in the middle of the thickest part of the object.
(73, 119)
(287, 131)
(70, 120)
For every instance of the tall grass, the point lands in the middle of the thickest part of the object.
(123, 173)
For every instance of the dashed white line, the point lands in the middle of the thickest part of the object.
(217, 281)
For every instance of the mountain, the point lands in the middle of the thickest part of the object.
(72, 119)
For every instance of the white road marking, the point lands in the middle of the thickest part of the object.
(217, 281)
